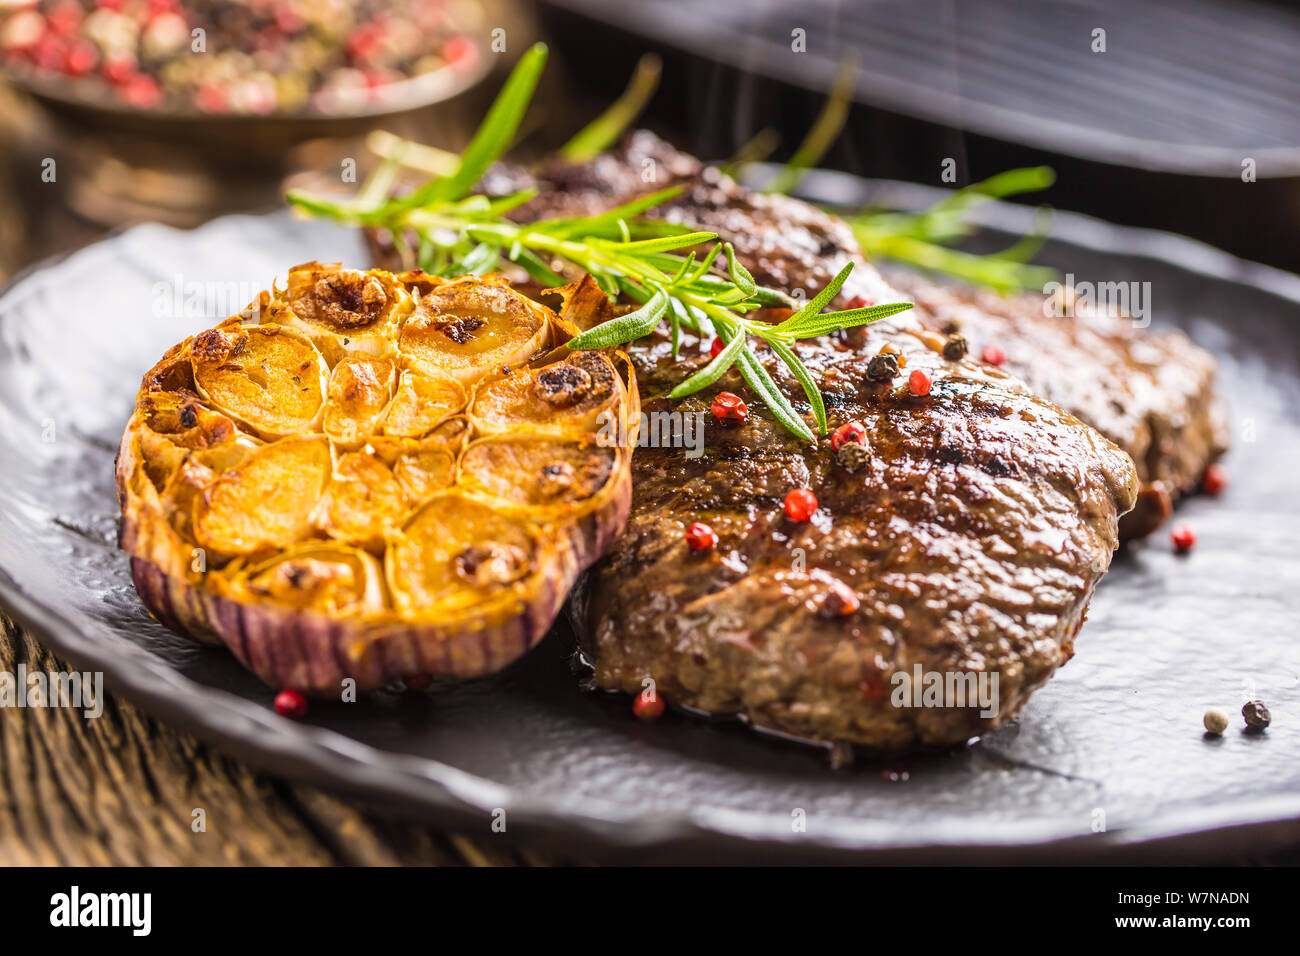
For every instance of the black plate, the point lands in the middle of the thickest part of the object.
(1107, 762)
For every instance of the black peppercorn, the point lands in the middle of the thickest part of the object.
(853, 455)
(883, 367)
(955, 347)
(1257, 715)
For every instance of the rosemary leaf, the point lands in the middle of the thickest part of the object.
(599, 225)
(494, 134)
(497, 234)
(608, 285)
(706, 263)
(822, 298)
(762, 297)
(598, 135)
(633, 291)
(404, 252)
(377, 185)
(730, 298)
(761, 382)
(625, 328)
(499, 207)
(425, 257)
(739, 274)
(690, 317)
(814, 325)
(685, 268)
(412, 155)
(321, 206)
(675, 326)
(714, 370)
(800, 371)
(757, 149)
(532, 263)
(663, 244)
(825, 130)
(482, 258)
(920, 238)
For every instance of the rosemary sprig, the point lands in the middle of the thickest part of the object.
(923, 238)
(660, 265)
(762, 145)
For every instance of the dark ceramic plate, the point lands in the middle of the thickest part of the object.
(1108, 761)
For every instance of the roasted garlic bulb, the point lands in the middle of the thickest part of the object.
(374, 476)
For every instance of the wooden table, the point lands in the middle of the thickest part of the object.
(122, 788)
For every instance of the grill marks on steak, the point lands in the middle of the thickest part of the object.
(1149, 391)
(973, 540)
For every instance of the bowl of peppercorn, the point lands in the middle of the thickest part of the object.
(239, 82)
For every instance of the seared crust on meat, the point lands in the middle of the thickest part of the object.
(1149, 391)
(972, 538)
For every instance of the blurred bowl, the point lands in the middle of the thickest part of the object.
(239, 140)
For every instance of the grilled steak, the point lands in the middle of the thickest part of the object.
(968, 543)
(1151, 392)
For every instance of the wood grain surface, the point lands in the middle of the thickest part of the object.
(122, 789)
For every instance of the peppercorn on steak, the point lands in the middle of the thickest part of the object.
(374, 476)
